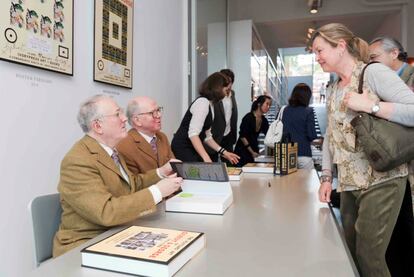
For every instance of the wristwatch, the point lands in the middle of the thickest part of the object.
(326, 178)
(375, 108)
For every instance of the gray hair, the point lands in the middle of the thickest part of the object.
(388, 44)
(89, 111)
(133, 108)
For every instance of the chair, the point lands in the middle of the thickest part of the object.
(45, 213)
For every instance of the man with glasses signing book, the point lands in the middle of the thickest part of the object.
(97, 190)
(145, 147)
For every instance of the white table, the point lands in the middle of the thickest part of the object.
(279, 229)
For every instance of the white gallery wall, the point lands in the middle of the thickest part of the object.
(38, 112)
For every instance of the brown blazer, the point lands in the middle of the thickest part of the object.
(94, 195)
(139, 155)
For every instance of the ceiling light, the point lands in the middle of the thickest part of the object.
(314, 5)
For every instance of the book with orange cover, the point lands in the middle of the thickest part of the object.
(144, 251)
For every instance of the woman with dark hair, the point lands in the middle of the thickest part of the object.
(224, 127)
(253, 123)
(195, 127)
(299, 121)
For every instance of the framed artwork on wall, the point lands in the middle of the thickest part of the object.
(38, 33)
(113, 42)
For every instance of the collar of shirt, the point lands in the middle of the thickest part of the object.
(146, 137)
(108, 149)
(401, 69)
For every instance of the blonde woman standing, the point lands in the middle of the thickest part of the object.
(370, 200)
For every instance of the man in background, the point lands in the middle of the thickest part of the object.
(390, 52)
(400, 252)
(145, 147)
(96, 188)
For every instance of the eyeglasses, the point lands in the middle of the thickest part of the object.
(155, 113)
(118, 114)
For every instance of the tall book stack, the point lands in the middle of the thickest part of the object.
(286, 158)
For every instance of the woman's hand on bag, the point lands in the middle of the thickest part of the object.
(358, 102)
(324, 192)
(231, 157)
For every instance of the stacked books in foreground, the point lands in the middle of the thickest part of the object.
(144, 251)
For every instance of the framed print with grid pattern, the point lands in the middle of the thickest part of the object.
(113, 42)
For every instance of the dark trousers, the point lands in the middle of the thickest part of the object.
(400, 252)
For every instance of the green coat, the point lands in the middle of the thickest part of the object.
(94, 196)
(408, 76)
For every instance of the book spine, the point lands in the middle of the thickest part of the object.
(277, 159)
(284, 167)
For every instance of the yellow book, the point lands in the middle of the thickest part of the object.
(258, 168)
(234, 173)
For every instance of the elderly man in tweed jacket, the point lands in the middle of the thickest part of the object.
(96, 188)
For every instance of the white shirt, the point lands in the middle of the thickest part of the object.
(199, 109)
(227, 105)
(146, 137)
(110, 151)
(156, 193)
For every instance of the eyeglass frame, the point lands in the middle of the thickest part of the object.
(154, 113)
(118, 114)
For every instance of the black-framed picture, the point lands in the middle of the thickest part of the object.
(113, 42)
(38, 33)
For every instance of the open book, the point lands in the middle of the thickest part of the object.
(205, 189)
(144, 251)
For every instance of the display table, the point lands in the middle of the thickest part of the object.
(275, 227)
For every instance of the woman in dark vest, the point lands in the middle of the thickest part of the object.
(195, 128)
(253, 123)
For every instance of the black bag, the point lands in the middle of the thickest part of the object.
(386, 144)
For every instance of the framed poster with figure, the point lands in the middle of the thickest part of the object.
(38, 33)
(113, 42)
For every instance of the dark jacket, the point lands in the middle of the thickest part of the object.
(299, 122)
(248, 131)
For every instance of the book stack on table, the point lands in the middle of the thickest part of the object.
(144, 251)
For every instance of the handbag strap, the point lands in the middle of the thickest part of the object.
(280, 115)
(361, 77)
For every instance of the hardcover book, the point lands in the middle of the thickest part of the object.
(144, 251)
(286, 156)
(205, 189)
(264, 159)
(258, 168)
(234, 173)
